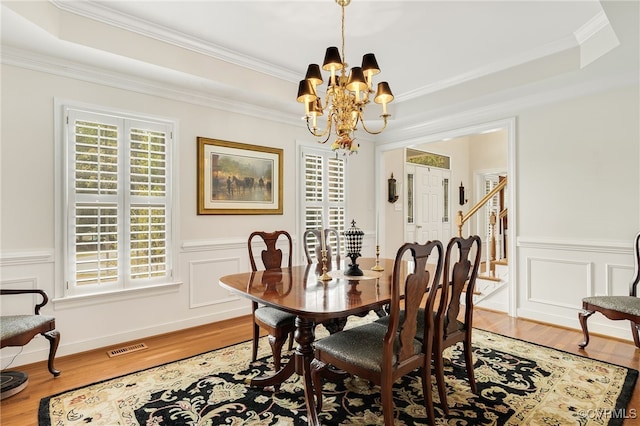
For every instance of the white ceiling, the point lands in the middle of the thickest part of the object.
(436, 55)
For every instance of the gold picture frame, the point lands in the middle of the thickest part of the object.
(237, 178)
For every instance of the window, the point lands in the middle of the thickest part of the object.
(118, 208)
(445, 200)
(324, 197)
(410, 209)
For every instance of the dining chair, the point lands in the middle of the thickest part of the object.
(18, 330)
(278, 324)
(383, 354)
(461, 265)
(616, 307)
(313, 249)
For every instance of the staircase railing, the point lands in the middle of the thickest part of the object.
(461, 219)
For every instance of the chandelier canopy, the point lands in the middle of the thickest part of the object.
(346, 96)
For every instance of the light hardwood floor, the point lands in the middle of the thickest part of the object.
(88, 367)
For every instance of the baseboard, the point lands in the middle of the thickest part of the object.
(30, 356)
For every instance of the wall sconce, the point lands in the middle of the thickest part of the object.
(462, 199)
(393, 191)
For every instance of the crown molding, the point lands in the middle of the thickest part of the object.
(558, 46)
(70, 69)
(101, 13)
(418, 125)
(596, 24)
(499, 105)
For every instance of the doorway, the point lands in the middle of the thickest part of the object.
(463, 168)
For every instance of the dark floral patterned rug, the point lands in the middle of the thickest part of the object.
(518, 383)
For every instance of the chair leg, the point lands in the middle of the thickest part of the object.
(53, 337)
(582, 317)
(438, 364)
(427, 392)
(321, 371)
(256, 336)
(635, 330)
(468, 358)
(317, 368)
(276, 349)
(386, 389)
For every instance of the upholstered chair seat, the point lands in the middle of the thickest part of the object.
(16, 328)
(616, 307)
(626, 304)
(274, 317)
(361, 347)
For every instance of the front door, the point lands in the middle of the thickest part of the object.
(431, 194)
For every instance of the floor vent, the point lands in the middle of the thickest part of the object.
(126, 350)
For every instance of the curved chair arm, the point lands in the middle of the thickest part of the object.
(45, 298)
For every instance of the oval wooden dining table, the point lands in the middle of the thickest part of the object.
(300, 290)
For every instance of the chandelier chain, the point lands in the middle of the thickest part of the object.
(344, 60)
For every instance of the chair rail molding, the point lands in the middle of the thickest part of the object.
(615, 247)
(17, 258)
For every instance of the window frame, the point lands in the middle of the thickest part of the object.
(65, 168)
(326, 153)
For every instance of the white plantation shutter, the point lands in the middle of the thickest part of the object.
(324, 191)
(118, 195)
(336, 193)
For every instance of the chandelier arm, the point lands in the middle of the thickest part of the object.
(384, 126)
(326, 131)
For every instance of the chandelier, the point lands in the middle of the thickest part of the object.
(346, 96)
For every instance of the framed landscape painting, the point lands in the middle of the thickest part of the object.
(237, 178)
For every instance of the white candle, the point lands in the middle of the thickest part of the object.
(323, 243)
(378, 229)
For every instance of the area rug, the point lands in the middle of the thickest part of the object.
(519, 383)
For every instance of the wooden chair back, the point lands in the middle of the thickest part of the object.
(312, 247)
(384, 354)
(412, 297)
(461, 265)
(272, 256)
(635, 282)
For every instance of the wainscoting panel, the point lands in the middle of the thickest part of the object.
(618, 279)
(204, 275)
(557, 282)
(554, 276)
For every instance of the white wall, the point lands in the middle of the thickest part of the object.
(578, 199)
(208, 246)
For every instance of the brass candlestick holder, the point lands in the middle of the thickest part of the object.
(325, 276)
(377, 266)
